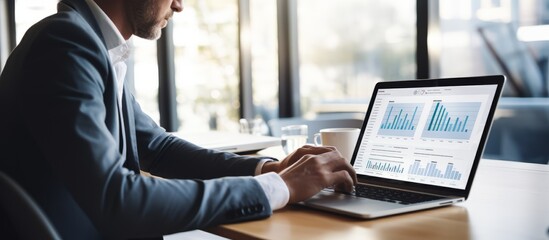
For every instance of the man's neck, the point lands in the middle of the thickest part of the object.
(116, 11)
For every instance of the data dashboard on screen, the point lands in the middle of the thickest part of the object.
(427, 135)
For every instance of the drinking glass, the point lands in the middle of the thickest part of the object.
(293, 137)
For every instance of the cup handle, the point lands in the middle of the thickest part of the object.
(316, 138)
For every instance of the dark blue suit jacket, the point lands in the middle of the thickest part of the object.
(61, 139)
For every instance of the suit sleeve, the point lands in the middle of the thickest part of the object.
(65, 111)
(168, 156)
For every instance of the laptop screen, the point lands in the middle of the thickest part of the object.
(425, 135)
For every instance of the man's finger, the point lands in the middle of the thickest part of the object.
(311, 150)
(338, 163)
(342, 181)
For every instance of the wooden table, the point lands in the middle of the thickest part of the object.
(509, 200)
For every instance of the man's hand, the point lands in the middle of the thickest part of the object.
(311, 169)
(294, 157)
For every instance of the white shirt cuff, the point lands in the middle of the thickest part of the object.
(275, 189)
(260, 165)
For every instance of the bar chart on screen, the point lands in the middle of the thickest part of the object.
(451, 120)
(431, 170)
(385, 166)
(400, 119)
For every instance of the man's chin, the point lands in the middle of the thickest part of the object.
(153, 34)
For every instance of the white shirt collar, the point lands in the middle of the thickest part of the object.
(119, 49)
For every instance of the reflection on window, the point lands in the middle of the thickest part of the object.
(206, 65)
(349, 45)
(480, 37)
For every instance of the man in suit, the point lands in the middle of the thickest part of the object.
(76, 140)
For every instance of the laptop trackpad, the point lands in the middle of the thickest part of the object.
(349, 203)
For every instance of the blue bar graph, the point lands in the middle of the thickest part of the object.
(400, 119)
(454, 120)
(385, 166)
(431, 170)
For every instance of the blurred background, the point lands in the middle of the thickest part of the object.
(313, 60)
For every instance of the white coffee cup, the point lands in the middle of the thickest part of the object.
(343, 139)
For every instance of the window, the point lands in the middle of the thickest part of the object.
(145, 75)
(345, 47)
(5, 38)
(264, 53)
(206, 65)
(480, 37)
(29, 12)
(339, 61)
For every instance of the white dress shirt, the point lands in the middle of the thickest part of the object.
(119, 51)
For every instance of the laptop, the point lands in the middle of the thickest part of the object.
(230, 141)
(419, 146)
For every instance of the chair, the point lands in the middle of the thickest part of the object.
(515, 59)
(314, 125)
(23, 216)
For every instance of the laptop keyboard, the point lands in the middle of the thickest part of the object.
(392, 195)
